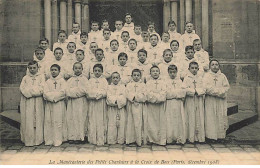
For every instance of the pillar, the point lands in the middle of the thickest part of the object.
(182, 16)
(188, 7)
(205, 24)
(174, 11)
(47, 19)
(166, 14)
(63, 15)
(197, 17)
(85, 18)
(54, 20)
(258, 94)
(77, 11)
(70, 17)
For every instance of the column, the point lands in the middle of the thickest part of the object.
(188, 7)
(47, 19)
(197, 18)
(166, 14)
(70, 17)
(63, 15)
(54, 20)
(182, 17)
(174, 11)
(85, 19)
(205, 24)
(78, 11)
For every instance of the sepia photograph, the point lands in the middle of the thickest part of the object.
(129, 82)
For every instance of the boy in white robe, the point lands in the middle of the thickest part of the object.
(112, 54)
(62, 41)
(132, 51)
(116, 112)
(123, 43)
(83, 43)
(77, 107)
(217, 86)
(174, 111)
(189, 35)
(43, 64)
(55, 124)
(70, 57)
(194, 104)
(201, 55)
(154, 114)
(165, 43)
(117, 33)
(178, 54)
(104, 43)
(172, 31)
(90, 55)
(129, 25)
(94, 35)
(80, 57)
(97, 116)
(151, 30)
(44, 44)
(155, 52)
(137, 34)
(75, 35)
(32, 106)
(145, 44)
(136, 96)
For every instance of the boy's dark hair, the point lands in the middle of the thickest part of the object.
(77, 63)
(193, 63)
(83, 34)
(128, 14)
(62, 31)
(172, 67)
(166, 33)
(33, 63)
(187, 22)
(39, 49)
(99, 49)
(171, 22)
(132, 39)
(106, 30)
(196, 40)
(55, 65)
(122, 54)
(81, 51)
(115, 73)
(125, 32)
(137, 70)
(164, 51)
(154, 66)
(94, 21)
(189, 47)
(103, 21)
(71, 43)
(43, 39)
(142, 50)
(58, 48)
(174, 41)
(113, 41)
(76, 23)
(212, 61)
(154, 35)
(151, 23)
(138, 26)
(98, 66)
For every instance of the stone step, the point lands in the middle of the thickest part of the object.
(12, 117)
(232, 108)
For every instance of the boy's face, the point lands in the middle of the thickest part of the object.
(189, 27)
(54, 72)
(128, 19)
(122, 61)
(142, 57)
(94, 26)
(197, 45)
(132, 45)
(138, 30)
(80, 56)
(115, 78)
(172, 27)
(214, 66)
(114, 46)
(105, 25)
(62, 37)
(44, 45)
(97, 72)
(145, 37)
(193, 69)
(125, 37)
(58, 55)
(151, 28)
(75, 28)
(39, 54)
(93, 47)
(106, 35)
(33, 69)
(189, 54)
(136, 76)
(99, 55)
(77, 69)
(165, 37)
(155, 73)
(71, 47)
(172, 73)
(174, 46)
(167, 56)
(84, 38)
(153, 40)
(118, 25)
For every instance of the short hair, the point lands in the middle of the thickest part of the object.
(166, 33)
(83, 34)
(212, 61)
(151, 23)
(172, 67)
(132, 39)
(193, 63)
(164, 51)
(99, 49)
(106, 30)
(58, 48)
(98, 66)
(189, 47)
(93, 42)
(137, 70)
(128, 14)
(115, 73)
(62, 31)
(94, 21)
(154, 35)
(55, 65)
(122, 54)
(103, 21)
(33, 63)
(76, 23)
(137, 26)
(39, 49)
(119, 21)
(142, 50)
(77, 63)
(174, 41)
(71, 43)
(187, 22)
(81, 51)
(171, 22)
(154, 66)
(113, 41)
(196, 40)
(125, 32)
(43, 39)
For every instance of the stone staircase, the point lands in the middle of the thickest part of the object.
(237, 119)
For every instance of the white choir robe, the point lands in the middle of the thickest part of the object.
(116, 34)
(164, 45)
(132, 56)
(89, 56)
(138, 38)
(112, 57)
(144, 45)
(124, 71)
(123, 46)
(178, 56)
(194, 108)
(97, 114)
(70, 59)
(216, 120)
(187, 39)
(104, 44)
(116, 113)
(164, 69)
(77, 107)
(82, 46)
(154, 32)
(85, 65)
(130, 28)
(144, 68)
(174, 35)
(48, 56)
(94, 36)
(203, 58)
(43, 67)
(136, 96)
(74, 37)
(184, 67)
(55, 123)
(63, 67)
(155, 54)
(174, 111)
(32, 109)
(154, 113)
(103, 62)
(63, 46)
